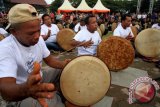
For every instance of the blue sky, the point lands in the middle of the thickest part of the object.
(49, 1)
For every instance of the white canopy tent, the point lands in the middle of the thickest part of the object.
(83, 7)
(99, 7)
(66, 7)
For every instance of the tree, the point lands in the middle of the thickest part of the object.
(145, 5)
(75, 3)
(55, 5)
(114, 6)
(157, 6)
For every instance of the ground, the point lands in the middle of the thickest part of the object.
(117, 95)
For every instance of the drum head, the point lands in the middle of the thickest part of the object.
(99, 31)
(85, 80)
(116, 52)
(102, 28)
(1, 37)
(114, 26)
(147, 43)
(60, 26)
(64, 38)
(134, 30)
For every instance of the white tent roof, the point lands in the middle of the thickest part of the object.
(66, 6)
(100, 7)
(84, 7)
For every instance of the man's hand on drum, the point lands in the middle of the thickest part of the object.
(87, 44)
(129, 37)
(49, 33)
(66, 61)
(38, 90)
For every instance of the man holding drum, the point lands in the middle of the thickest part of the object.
(87, 39)
(21, 81)
(49, 33)
(123, 29)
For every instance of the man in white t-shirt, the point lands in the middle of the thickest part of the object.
(22, 83)
(87, 39)
(80, 26)
(124, 30)
(49, 33)
(157, 25)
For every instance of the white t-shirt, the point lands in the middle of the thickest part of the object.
(85, 35)
(121, 32)
(144, 16)
(17, 61)
(54, 30)
(3, 32)
(76, 28)
(139, 16)
(155, 26)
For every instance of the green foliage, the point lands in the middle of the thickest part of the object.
(91, 3)
(75, 3)
(157, 6)
(55, 5)
(115, 6)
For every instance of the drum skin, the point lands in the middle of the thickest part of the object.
(99, 31)
(114, 26)
(102, 28)
(116, 52)
(147, 43)
(64, 38)
(1, 37)
(134, 30)
(85, 80)
(60, 26)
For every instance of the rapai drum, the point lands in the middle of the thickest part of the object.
(102, 28)
(134, 30)
(114, 26)
(60, 26)
(147, 43)
(1, 37)
(99, 31)
(64, 38)
(116, 52)
(85, 80)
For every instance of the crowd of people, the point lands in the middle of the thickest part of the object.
(31, 40)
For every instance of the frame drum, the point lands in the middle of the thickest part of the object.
(102, 28)
(134, 30)
(64, 38)
(116, 52)
(1, 37)
(85, 80)
(147, 43)
(114, 26)
(60, 26)
(99, 31)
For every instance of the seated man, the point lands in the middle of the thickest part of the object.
(123, 29)
(156, 25)
(87, 39)
(49, 32)
(80, 26)
(73, 24)
(22, 83)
